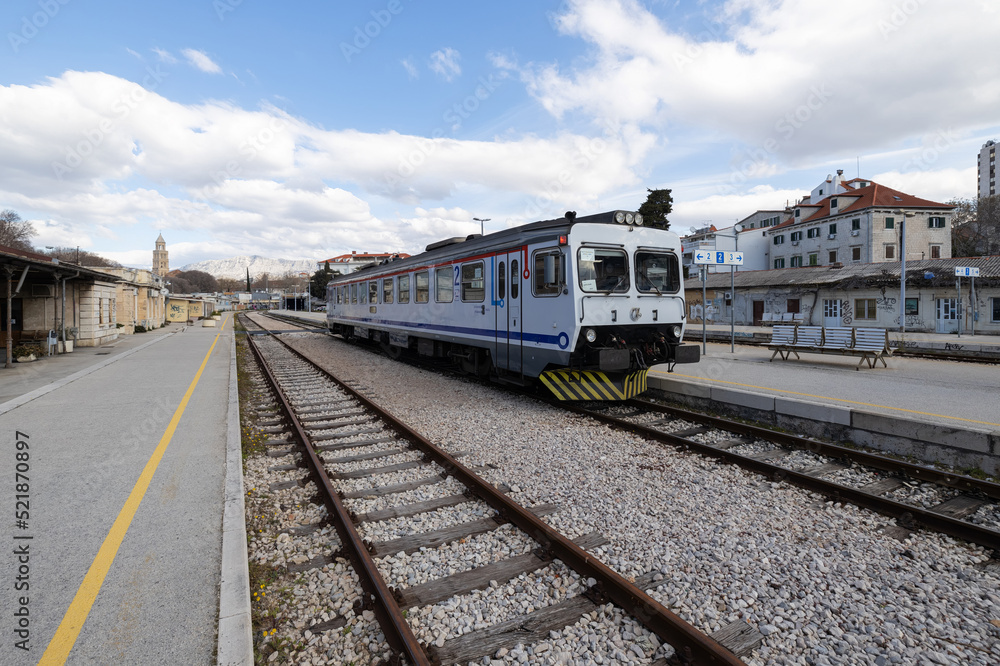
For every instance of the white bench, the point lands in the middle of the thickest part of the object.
(871, 344)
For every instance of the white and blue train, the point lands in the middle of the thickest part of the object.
(585, 305)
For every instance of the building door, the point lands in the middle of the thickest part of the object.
(947, 315)
(758, 313)
(831, 312)
(508, 309)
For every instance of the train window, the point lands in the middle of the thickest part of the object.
(340, 295)
(550, 273)
(354, 292)
(443, 292)
(373, 291)
(387, 290)
(657, 272)
(502, 280)
(404, 288)
(423, 284)
(363, 292)
(515, 282)
(473, 282)
(603, 270)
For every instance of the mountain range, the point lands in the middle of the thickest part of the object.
(236, 267)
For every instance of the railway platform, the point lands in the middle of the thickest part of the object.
(121, 455)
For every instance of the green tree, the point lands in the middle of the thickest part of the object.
(654, 211)
(975, 227)
(321, 278)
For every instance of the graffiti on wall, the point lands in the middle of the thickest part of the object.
(846, 312)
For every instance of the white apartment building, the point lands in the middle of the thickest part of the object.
(859, 221)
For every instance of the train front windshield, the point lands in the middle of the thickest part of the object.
(657, 272)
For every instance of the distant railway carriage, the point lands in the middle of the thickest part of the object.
(585, 305)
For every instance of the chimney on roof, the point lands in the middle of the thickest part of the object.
(354, 251)
(840, 172)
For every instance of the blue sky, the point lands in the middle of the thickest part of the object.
(308, 129)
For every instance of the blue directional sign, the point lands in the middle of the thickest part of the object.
(966, 271)
(706, 257)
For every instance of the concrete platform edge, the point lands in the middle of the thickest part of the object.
(950, 445)
(59, 383)
(235, 645)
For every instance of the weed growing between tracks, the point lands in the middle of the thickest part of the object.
(270, 586)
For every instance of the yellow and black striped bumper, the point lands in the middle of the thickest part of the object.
(576, 385)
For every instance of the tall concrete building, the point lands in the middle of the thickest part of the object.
(987, 169)
(161, 266)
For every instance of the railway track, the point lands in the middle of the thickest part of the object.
(379, 481)
(915, 496)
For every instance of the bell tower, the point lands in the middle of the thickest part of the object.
(160, 264)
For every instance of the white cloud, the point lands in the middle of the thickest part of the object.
(411, 69)
(444, 63)
(780, 76)
(201, 60)
(132, 53)
(165, 56)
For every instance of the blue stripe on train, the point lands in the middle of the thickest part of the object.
(463, 330)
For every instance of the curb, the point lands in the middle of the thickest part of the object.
(235, 647)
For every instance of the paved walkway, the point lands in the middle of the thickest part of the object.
(125, 465)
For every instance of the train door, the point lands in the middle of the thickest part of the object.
(508, 309)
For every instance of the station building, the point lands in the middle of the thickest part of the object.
(859, 295)
(53, 305)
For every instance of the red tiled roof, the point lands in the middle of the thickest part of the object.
(874, 195)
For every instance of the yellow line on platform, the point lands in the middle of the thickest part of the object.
(72, 623)
(850, 402)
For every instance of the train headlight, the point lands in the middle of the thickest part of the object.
(638, 219)
(620, 217)
(629, 218)
(675, 331)
(590, 334)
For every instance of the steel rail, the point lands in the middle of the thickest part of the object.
(908, 516)
(691, 645)
(394, 626)
(957, 481)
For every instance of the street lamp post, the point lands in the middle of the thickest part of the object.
(902, 269)
(482, 224)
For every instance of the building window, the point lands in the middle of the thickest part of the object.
(996, 309)
(387, 285)
(404, 288)
(796, 235)
(798, 212)
(890, 223)
(443, 293)
(935, 251)
(792, 305)
(778, 240)
(912, 306)
(833, 202)
(833, 229)
(796, 261)
(856, 224)
(473, 282)
(890, 251)
(779, 263)
(814, 259)
(855, 254)
(935, 223)
(864, 308)
(813, 233)
(422, 283)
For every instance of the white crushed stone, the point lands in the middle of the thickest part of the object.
(821, 580)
